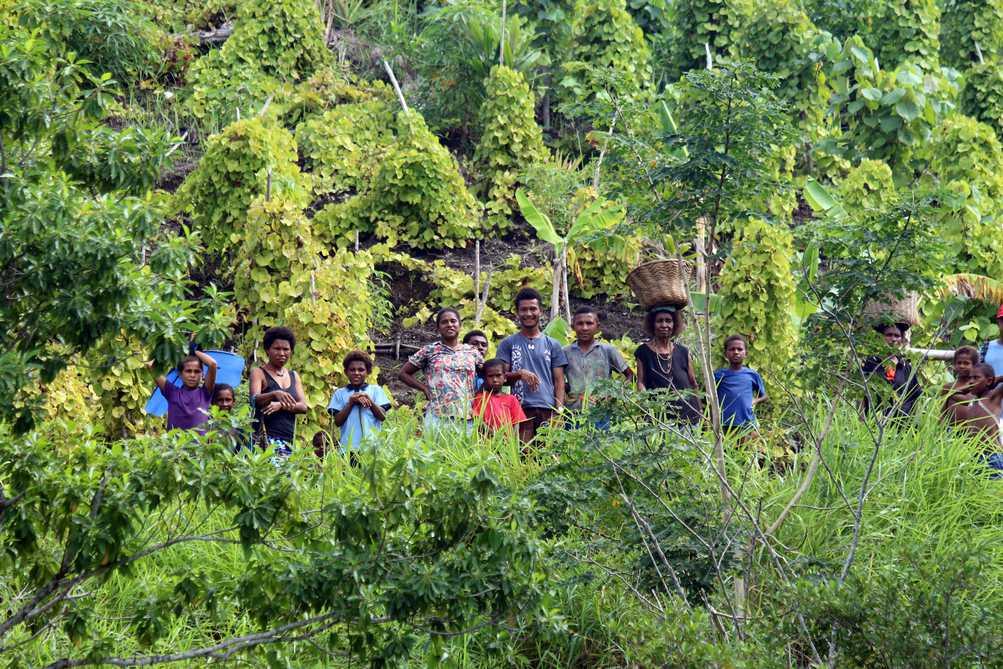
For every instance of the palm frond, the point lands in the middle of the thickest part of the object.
(974, 287)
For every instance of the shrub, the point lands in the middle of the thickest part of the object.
(234, 170)
(906, 30)
(757, 297)
(966, 23)
(418, 197)
(273, 43)
(699, 22)
(343, 147)
(966, 157)
(114, 35)
(982, 94)
(780, 39)
(887, 113)
(510, 141)
(607, 58)
(283, 278)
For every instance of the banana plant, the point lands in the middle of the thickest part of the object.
(599, 217)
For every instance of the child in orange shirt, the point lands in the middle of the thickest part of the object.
(495, 410)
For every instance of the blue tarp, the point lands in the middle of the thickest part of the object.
(229, 370)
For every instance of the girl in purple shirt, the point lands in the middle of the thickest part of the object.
(188, 405)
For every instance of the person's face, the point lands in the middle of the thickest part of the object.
(665, 324)
(528, 312)
(224, 400)
(586, 326)
(449, 325)
(963, 367)
(480, 343)
(279, 353)
(893, 337)
(191, 374)
(979, 381)
(356, 372)
(494, 378)
(735, 352)
(999, 324)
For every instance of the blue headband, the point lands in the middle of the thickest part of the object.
(663, 310)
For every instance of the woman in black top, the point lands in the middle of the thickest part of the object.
(663, 363)
(896, 371)
(277, 394)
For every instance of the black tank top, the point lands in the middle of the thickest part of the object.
(282, 423)
(672, 374)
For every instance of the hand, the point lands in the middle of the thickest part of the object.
(531, 380)
(271, 408)
(284, 398)
(362, 399)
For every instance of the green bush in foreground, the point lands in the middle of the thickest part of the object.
(176, 546)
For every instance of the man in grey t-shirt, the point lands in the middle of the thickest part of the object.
(535, 365)
(589, 360)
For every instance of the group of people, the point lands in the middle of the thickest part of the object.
(465, 392)
(972, 403)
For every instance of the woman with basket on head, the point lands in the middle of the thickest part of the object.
(663, 363)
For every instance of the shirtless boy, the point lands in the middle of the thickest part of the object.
(976, 407)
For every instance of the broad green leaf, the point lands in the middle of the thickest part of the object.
(872, 94)
(559, 330)
(818, 197)
(544, 228)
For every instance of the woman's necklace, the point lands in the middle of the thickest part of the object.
(277, 373)
(659, 357)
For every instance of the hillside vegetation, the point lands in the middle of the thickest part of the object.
(179, 170)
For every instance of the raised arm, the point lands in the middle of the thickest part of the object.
(211, 368)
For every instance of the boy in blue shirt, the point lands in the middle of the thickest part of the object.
(739, 389)
(359, 408)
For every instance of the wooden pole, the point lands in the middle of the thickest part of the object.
(397, 87)
(501, 42)
(477, 275)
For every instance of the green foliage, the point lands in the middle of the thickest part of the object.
(129, 160)
(283, 277)
(967, 160)
(699, 22)
(456, 50)
(115, 36)
(418, 197)
(510, 142)
(77, 275)
(906, 31)
(283, 39)
(693, 173)
(871, 255)
(967, 23)
(842, 18)
(887, 113)
(343, 147)
(779, 38)
(237, 166)
(327, 88)
(982, 94)
(929, 603)
(273, 44)
(607, 59)
(757, 296)
(433, 546)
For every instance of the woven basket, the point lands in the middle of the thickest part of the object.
(660, 282)
(902, 310)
